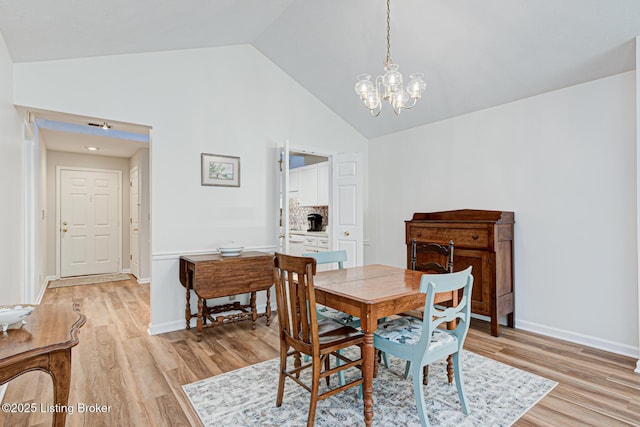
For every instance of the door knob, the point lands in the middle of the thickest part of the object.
(135, 229)
(280, 236)
(346, 233)
(65, 223)
(64, 230)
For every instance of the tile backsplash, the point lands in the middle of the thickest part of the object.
(298, 215)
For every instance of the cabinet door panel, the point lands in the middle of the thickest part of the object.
(323, 184)
(481, 294)
(308, 185)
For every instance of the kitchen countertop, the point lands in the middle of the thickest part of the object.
(309, 233)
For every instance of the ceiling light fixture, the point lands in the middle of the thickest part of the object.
(394, 93)
(91, 148)
(103, 125)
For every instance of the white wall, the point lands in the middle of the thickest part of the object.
(10, 171)
(79, 160)
(564, 162)
(229, 100)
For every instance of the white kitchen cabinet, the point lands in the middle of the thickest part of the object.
(308, 185)
(323, 184)
(313, 184)
(296, 245)
(294, 180)
(315, 244)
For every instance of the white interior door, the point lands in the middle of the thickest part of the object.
(347, 210)
(89, 226)
(282, 203)
(134, 222)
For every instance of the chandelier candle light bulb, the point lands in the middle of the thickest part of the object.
(371, 93)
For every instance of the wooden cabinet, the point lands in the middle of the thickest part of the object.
(482, 239)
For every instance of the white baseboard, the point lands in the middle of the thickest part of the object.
(599, 343)
(43, 288)
(126, 271)
(3, 390)
(638, 366)
(167, 327)
(144, 280)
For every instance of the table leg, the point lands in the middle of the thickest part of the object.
(368, 355)
(187, 309)
(268, 310)
(199, 320)
(60, 371)
(205, 312)
(254, 310)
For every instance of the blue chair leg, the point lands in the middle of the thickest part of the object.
(418, 392)
(457, 373)
(385, 359)
(341, 373)
(407, 370)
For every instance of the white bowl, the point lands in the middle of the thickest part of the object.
(10, 315)
(231, 250)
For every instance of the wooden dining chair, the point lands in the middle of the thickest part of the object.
(301, 333)
(423, 264)
(339, 258)
(430, 258)
(421, 342)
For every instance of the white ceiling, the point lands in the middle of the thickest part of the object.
(84, 135)
(77, 143)
(474, 54)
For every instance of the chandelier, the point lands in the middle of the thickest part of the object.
(389, 87)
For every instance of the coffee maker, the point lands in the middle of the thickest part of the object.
(315, 222)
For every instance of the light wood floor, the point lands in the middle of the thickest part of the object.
(140, 376)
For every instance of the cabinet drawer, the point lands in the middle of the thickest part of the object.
(311, 241)
(323, 242)
(477, 237)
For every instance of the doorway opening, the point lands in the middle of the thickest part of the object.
(309, 225)
(81, 209)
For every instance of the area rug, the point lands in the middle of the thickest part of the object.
(88, 280)
(498, 395)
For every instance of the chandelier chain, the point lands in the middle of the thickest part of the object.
(388, 60)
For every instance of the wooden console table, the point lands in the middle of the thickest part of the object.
(215, 276)
(44, 344)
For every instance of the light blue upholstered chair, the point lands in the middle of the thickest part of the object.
(336, 257)
(333, 257)
(423, 342)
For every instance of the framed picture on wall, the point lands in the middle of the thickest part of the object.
(220, 170)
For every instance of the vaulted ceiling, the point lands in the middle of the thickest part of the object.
(474, 54)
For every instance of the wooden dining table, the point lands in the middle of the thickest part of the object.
(371, 292)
